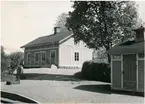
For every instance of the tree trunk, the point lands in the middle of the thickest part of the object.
(109, 59)
(108, 56)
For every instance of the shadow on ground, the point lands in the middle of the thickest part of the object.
(106, 89)
(56, 77)
(80, 76)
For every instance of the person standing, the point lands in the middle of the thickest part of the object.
(19, 72)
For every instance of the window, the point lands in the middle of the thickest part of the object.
(36, 57)
(76, 56)
(29, 57)
(53, 54)
(43, 56)
(116, 56)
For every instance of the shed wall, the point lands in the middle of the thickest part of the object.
(141, 75)
(117, 77)
(116, 74)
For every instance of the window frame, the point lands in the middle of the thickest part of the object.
(51, 52)
(35, 56)
(76, 57)
(43, 57)
(28, 57)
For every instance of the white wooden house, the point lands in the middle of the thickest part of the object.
(58, 49)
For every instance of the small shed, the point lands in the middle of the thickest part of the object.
(127, 63)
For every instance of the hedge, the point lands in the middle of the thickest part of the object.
(96, 71)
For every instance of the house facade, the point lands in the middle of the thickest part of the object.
(127, 64)
(57, 49)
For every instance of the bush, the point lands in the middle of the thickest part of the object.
(5, 64)
(78, 75)
(85, 67)
(96, 71)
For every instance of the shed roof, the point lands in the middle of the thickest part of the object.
(130, 46)
(49, 38)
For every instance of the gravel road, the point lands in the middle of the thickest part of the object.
(53, 90)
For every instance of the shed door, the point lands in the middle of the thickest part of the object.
(129, 73)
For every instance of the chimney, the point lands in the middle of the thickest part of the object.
(140, 34)
(56, 30)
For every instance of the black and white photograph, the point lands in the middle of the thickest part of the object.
(72, 52)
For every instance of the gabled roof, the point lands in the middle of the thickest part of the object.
(49, 38)
(130, 46)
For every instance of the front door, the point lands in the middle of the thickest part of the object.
(129, 72)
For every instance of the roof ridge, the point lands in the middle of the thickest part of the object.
(49, 38)
(54, 34)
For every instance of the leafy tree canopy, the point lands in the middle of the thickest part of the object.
(16, 58)
(5, 61)
(102, 23)
(61, 21)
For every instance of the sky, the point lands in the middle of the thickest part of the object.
(24, 21)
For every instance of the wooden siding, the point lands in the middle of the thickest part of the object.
(129, 76)
(138, 76)
(67, 53)
(39, 63)
(116, 74)
(141, 75)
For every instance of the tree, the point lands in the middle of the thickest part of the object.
(2, 51)
(16, 58)
(61, 21)
(102, 23)
(5, 61)
(100, 56)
